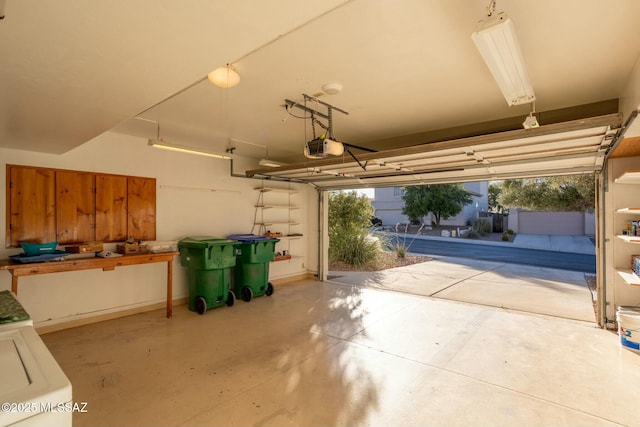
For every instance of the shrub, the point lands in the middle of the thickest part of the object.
(349, 242)
(472, 234)
(505, 236)
(401, 251)
(354, 248)
(398, 242)
(481, 226)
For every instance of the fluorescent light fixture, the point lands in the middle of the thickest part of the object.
(224, 77)
(159, 143)
(270, 163)
(495, 38)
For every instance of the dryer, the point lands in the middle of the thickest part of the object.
(34, 388)
(34, 391)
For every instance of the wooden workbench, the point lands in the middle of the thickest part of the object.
(18, 269)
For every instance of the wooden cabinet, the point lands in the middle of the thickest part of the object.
(141, 198)
(31, 207)
(73, 206)
(111, 208)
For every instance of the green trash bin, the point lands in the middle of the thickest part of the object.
(251, 273)
(209, 261)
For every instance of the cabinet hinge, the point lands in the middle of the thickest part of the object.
(10, 226)
(10, 184)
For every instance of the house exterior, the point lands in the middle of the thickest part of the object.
(388, 205)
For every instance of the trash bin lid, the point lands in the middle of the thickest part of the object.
(204, 242)
(250, 238)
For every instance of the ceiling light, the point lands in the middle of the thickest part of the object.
(159, 143)
(270, 163)
(495, 38)
(332, 88)
(224, 77)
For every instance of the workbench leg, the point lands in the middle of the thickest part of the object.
(14, 284)
(170, 289)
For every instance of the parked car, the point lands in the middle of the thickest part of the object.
(376, 221)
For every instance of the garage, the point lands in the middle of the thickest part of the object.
(96, 90)
(565, 223)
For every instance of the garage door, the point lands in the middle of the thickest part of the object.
(554, 223)
(564, 148)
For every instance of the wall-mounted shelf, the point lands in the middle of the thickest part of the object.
(286, 258)
(629, 239)
(635, 211)
(276, 190)
(629, 277)
(626, 272)
(277, 207)
(275, 213)
(266, 224)
(629, 177)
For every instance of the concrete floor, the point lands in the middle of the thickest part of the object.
(530, 289)
(327, 354)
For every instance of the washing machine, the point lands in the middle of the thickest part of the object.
(34, 390)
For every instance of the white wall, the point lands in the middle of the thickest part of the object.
(185, 207)
(630, 98)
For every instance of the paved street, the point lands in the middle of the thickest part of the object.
(505, 253)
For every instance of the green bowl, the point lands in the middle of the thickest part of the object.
(34, 249)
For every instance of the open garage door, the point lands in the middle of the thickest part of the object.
(573, 147)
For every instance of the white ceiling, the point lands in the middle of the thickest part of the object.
(73, 69)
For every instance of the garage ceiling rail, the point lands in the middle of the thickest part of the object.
(573, 147)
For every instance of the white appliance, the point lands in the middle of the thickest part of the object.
(34, 389)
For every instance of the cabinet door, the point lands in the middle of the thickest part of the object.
(75, 210)
(111, 208)
(31, 205)
(141, 195)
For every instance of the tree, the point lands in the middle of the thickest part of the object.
(349, 216)
(495, 190)
(442, 200)
(348, 210)
(560, 193)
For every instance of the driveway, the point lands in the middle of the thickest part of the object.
(548, 291)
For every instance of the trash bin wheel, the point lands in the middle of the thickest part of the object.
(269, 291)
(231, 299)
(201, 305)
(246, 293)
